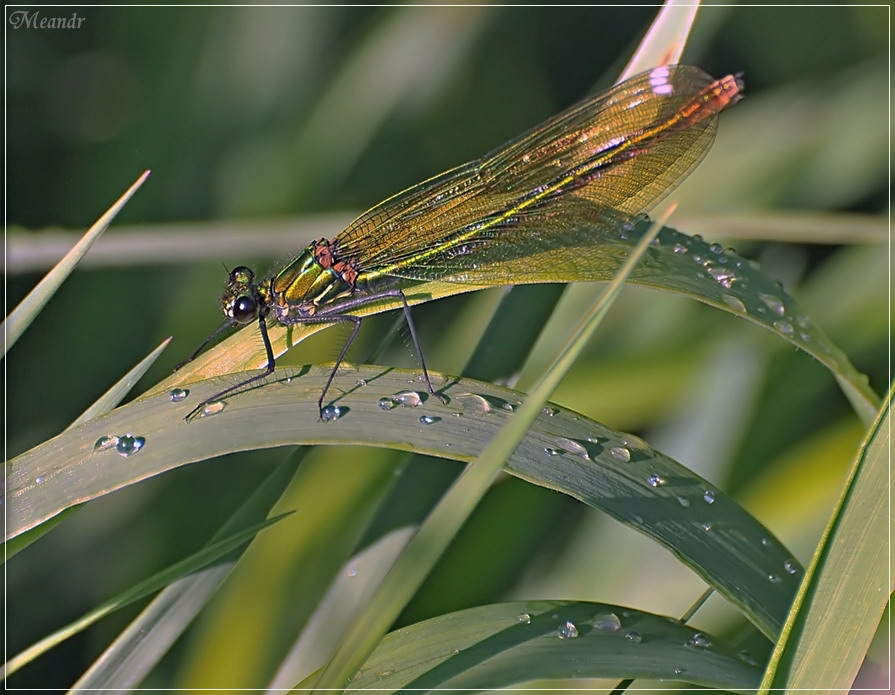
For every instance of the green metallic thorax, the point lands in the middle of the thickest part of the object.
(312, 280)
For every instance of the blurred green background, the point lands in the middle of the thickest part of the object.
(258, 120)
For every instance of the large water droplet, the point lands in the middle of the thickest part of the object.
(177, 395)
(699, 640)
(568, 630)
(773, 302)
(571, 446)
(105, 442)
(785, 327)
(607, 622)
(474, 404)
(409, 399)
(212, 408)
(633, 637)
(129, 445)
(620, 453)
(709, 497)
(429, 419)
(332, 412)
(791, 566)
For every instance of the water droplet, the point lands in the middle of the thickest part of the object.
(473, 403)
(429, 419)
(716, 248)
(385, 674)
(105, 442)
(387, 404)
(785, 327)
(773, 302)
(709, 497)
(804, 337)
(568, 630)
(212, 408)
(803, 320)
(633, 637)
(678, 670)
(707, 526)
(553, 452)
(773, 578)
(791, 566)
(39, 479)
(679, 248)
(361, 382)
(177, 395)
(620, 453)
(352, 573)
(655, 480)
(607, 622)
(699, 640)
(697, 258)
(524, 618)
(683, 501)
(509, 407)
(571, 447)
(409, 399)
(766, 542)
(129, 445)
(723, 276)
(550, 412)
(332, 412)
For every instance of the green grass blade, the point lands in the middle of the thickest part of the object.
(136, 651)
(507, 644)
(847, 587)
(346, 597)
(21, 317)
(563, 451)
(208, 554)
(412, 567)
(120, 388)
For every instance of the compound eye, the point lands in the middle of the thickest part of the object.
(244, 309)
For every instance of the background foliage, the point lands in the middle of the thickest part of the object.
(259, 119)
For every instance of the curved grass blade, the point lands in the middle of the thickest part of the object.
(452, 511)
(104, 404)
(847, 586)
(677, 263)
(135, 652)
(564, 451)
(211, 552)
(21, 317)
(345, 598)
(507, 644)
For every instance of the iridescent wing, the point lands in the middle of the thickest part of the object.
(549, 196)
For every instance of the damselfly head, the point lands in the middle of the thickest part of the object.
(240, 301)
